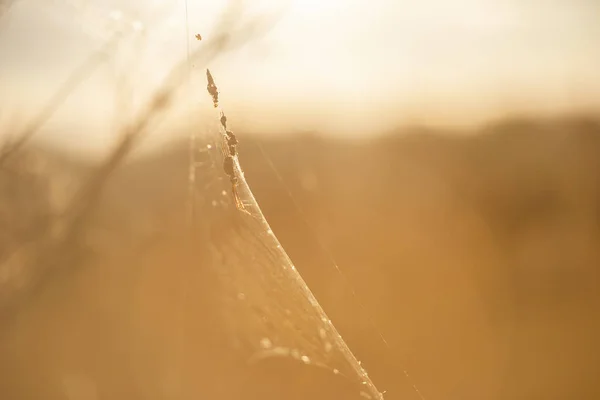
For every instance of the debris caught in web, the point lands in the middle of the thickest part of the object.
(212, 89)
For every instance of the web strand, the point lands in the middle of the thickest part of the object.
(331, 258)
(192, 138)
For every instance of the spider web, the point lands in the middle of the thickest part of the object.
(211, 309)
(274, 325)
(267, 307)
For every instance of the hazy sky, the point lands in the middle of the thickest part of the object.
(343, 66)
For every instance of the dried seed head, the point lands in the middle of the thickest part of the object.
(212, 88)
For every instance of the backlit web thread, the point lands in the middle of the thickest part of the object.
(333, 262)
(244, 200)
(319, 340)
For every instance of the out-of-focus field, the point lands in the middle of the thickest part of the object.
(477, 257)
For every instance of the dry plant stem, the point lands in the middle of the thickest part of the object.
(57, 100)
(157, 106)
(160, 103)
(223, 41)
(62, 254)
(59, 97)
